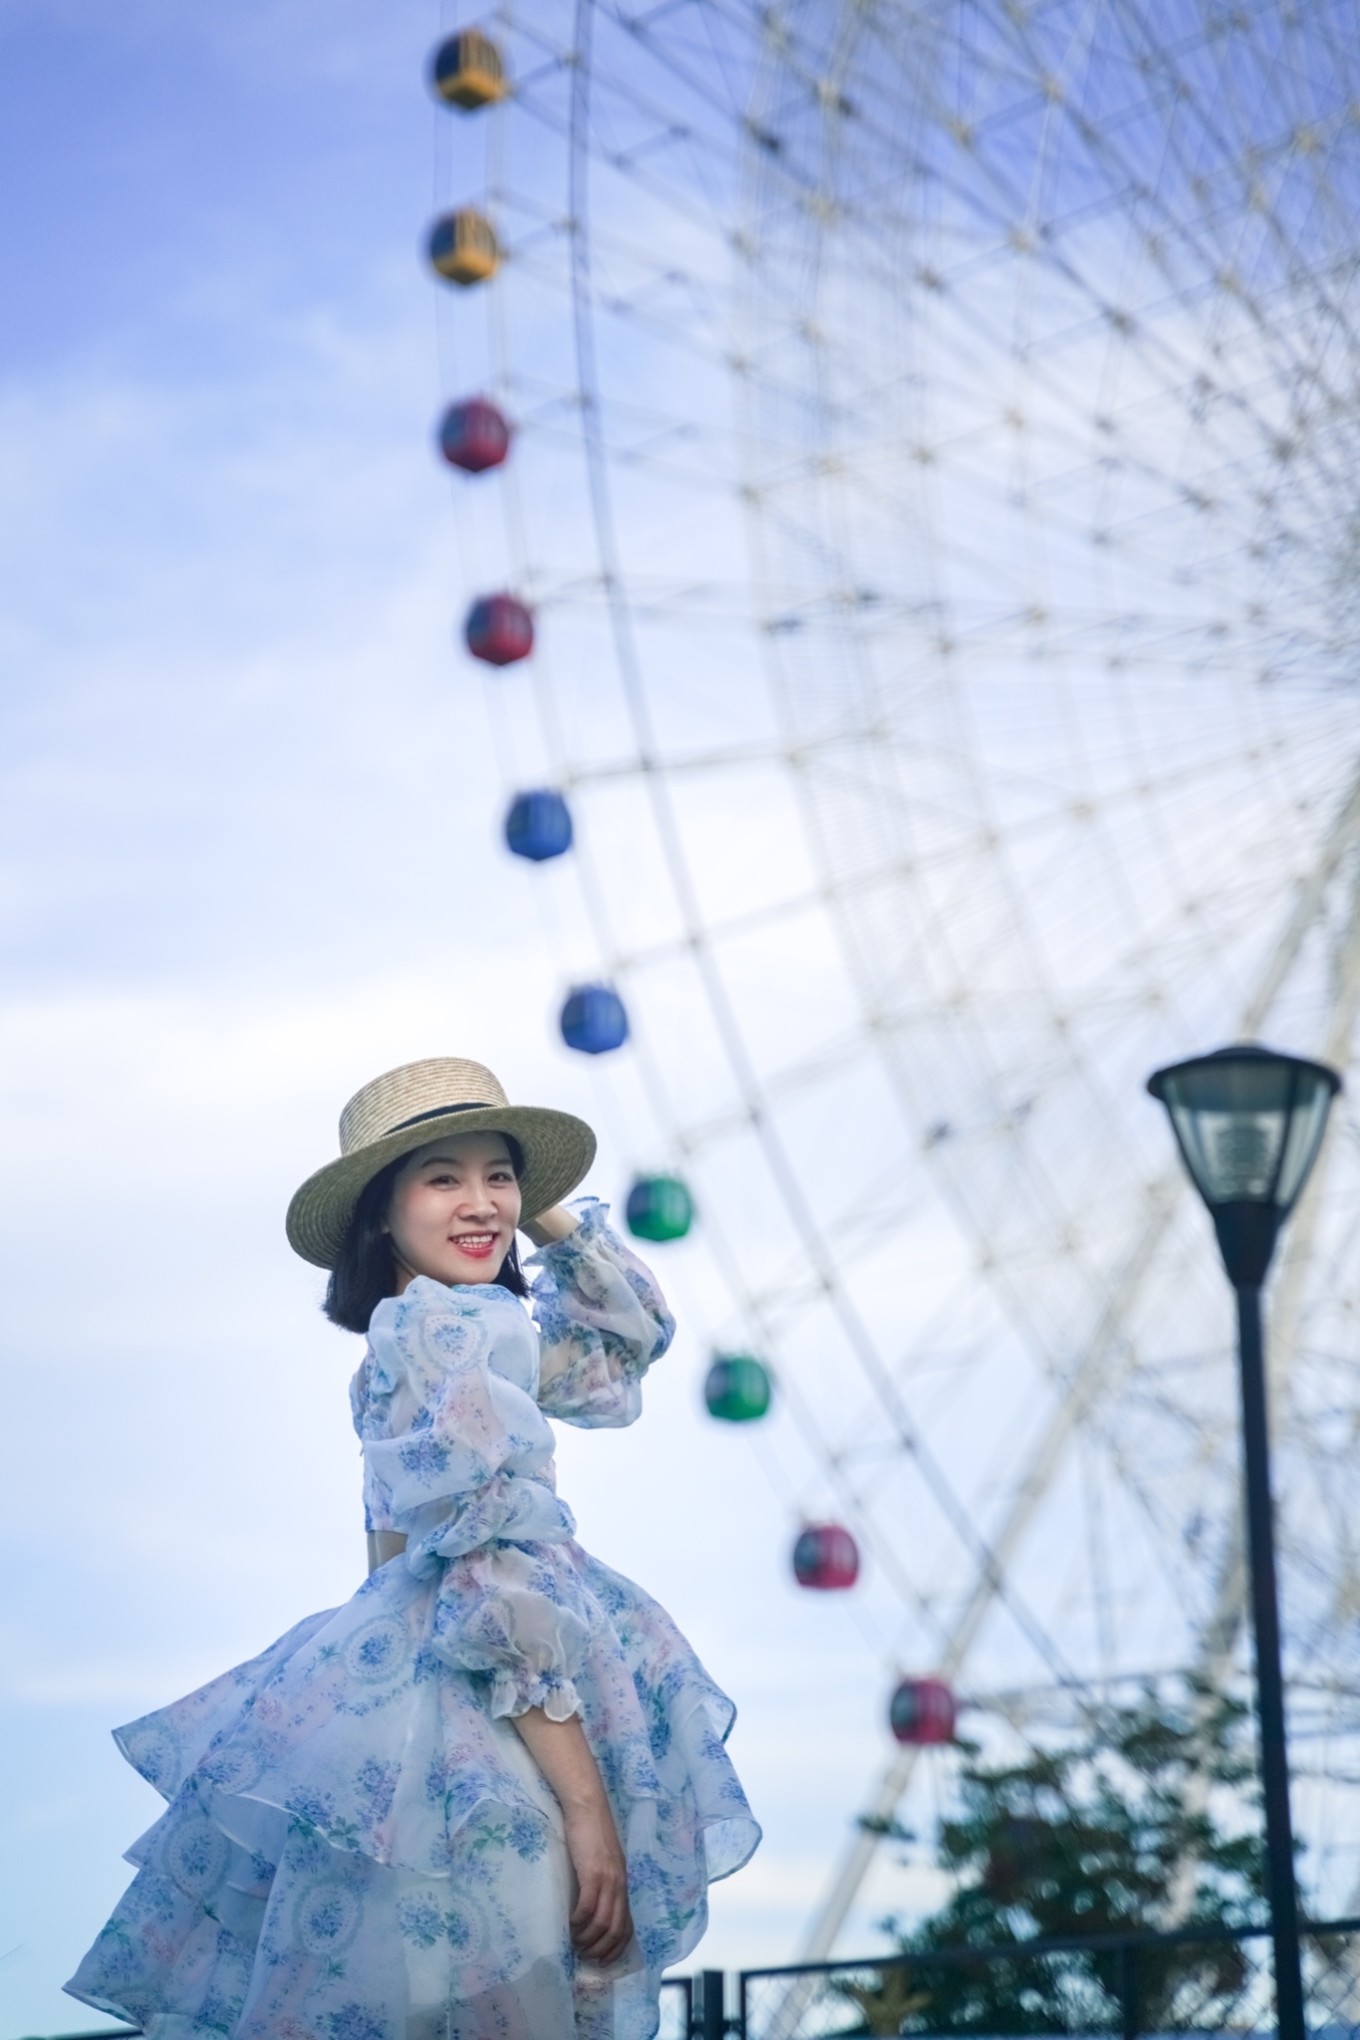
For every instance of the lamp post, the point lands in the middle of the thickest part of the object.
(1249, 1123)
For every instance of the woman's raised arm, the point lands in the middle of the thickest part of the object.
(601, 1317)
(556, 1223)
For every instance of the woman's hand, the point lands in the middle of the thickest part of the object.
(553, 1224)
(601, 1924)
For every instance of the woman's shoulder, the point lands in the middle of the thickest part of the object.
(433, 1327)
(424, 1298)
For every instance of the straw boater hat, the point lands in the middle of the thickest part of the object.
(405, 1109)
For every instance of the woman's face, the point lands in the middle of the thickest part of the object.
(455, 1206)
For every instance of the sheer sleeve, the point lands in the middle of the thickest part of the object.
(458, 1459)
(602, 1322)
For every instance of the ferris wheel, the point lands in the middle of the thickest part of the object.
(916, 552)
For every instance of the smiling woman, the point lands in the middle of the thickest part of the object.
(454, 1209)
(488, 1794)
(372, 1263)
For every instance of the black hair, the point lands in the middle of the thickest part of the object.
(365, 1270)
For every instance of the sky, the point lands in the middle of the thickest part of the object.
(248, 859)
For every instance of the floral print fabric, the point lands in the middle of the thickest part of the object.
(357, 1845)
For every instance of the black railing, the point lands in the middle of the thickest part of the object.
(103, 2033)
(1200, 1981)
(677, 2009)
(1197, 1981)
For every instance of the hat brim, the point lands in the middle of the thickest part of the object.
(558, 1150)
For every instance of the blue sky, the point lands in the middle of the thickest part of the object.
(215, 323)
(247, 859)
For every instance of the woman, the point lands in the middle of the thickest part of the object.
(486, 1796)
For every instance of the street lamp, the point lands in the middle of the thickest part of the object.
(1249, 1123)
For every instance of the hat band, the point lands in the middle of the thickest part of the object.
(441, 1112)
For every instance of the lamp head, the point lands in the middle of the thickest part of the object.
(1249, 1122)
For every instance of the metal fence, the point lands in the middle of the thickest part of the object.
(1130, 1987)
(677, 2009)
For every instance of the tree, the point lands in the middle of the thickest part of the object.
(1080, 1841)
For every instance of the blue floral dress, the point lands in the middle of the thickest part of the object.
(357, 1844)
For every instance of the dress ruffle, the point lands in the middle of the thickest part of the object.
(347, 1794)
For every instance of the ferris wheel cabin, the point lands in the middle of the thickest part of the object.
(468, 71)
(463, 247)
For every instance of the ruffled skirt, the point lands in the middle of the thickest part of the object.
(357, 1848)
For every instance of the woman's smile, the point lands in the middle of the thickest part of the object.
(479, 1244)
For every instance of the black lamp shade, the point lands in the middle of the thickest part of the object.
(1249, 1122)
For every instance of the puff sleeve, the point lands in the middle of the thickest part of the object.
(602, 1322)
(458, 1458)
